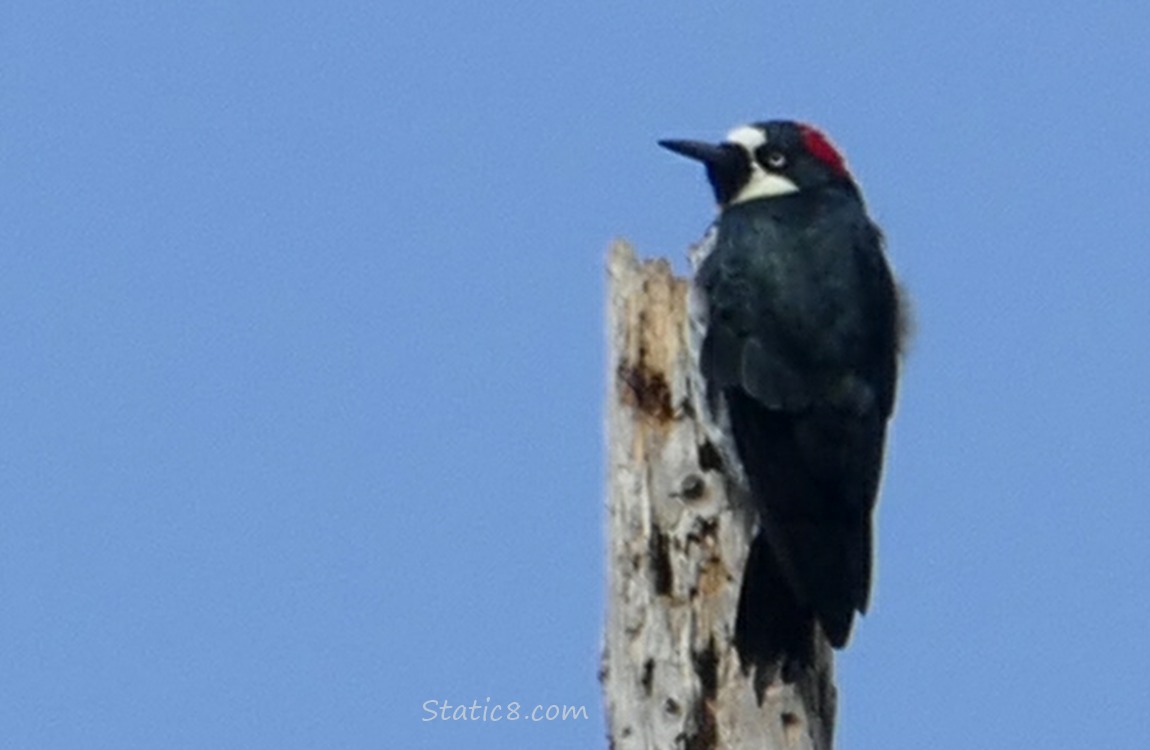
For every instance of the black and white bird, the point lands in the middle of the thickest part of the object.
(798, 330)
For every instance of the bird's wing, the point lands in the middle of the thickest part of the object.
(801, 348)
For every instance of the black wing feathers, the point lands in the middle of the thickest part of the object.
(801, 343)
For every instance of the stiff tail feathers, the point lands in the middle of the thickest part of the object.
(773, 630)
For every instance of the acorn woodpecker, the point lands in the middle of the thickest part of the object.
(797, 326)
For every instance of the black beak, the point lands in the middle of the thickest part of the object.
(728, 165)
(705, 152)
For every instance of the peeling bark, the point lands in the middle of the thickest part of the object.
(679, 534)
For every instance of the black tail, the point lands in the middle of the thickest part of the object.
(772, 629)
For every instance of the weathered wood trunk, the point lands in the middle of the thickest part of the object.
(677, 542)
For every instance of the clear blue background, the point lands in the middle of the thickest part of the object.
(301, 356)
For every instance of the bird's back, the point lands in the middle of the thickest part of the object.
(794, 312)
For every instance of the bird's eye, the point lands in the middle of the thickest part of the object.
(776, 160)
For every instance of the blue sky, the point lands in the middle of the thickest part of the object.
(302, 357)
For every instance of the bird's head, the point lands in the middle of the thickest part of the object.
(767, 159)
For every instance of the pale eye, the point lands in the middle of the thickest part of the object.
(776, 160)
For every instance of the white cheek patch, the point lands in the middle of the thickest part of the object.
(761, 184)
(764, 184)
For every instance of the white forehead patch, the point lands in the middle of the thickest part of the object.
(747, 137)
(761, 183)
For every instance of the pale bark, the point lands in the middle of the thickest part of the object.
(676, 547)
